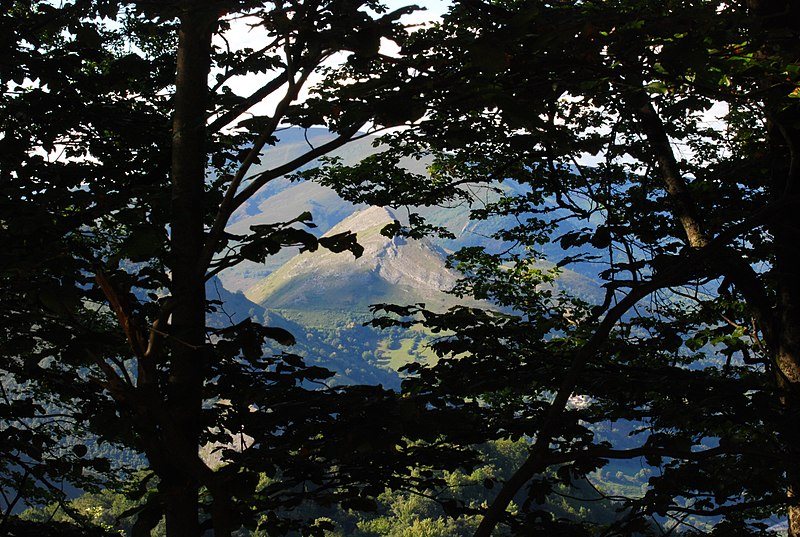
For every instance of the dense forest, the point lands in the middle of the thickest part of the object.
(557, 295)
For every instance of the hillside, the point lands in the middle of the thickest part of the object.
(283, 199)
(393, 270)
(323, 298)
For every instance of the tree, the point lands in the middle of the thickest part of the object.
(599, 117)
(125, 151)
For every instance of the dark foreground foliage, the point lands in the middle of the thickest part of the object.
(652, 145)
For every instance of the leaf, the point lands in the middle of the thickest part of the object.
(293, 360)
(488, 54)
(144, 243)
(601, 237)
(575, 238)
(345, 241)
(657, 87)
(62, 300)
(391, 230)
(282, 336)
(147, 515)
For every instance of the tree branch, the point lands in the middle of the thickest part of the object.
(683, 206)
(229, 204)
(537, 461)
(119, 304)
(738, 507)
(261, 179)
(254, 98)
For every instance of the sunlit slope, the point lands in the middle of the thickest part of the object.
(283, 200)
(393, 270)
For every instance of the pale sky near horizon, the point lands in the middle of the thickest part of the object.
(434, 8)
(241, 35)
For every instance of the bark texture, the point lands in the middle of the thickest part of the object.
(188, 356)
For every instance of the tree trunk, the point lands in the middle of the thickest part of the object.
(787, 355)
(787, 359)
(188, 360)
(776, 23)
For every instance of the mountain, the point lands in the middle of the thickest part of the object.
(231, 308)
(282, 200)
(325, 206)
(323, 299)
(356, 362)
(393, 270)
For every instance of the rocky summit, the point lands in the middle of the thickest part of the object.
(392, 270)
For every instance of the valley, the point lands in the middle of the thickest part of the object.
(324, 298)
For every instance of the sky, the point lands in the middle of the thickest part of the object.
(432, 7)
(242, 35)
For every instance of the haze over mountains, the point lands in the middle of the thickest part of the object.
(283, 200)
(323, 298)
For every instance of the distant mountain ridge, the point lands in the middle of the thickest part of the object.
(394, 270)
(283, 200)
(323, 298)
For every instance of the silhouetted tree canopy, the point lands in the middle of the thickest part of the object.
(652, 146)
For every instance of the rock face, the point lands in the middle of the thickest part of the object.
(394, 270)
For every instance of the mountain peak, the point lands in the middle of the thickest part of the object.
(395, 270)
(364, 219)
